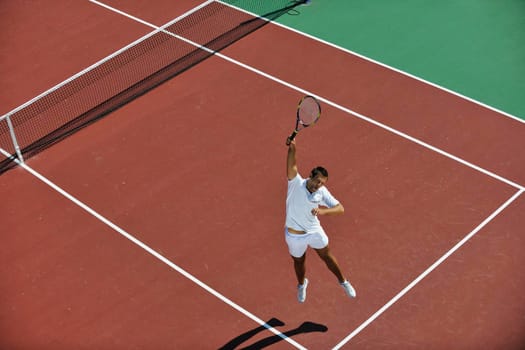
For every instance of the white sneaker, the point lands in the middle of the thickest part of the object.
(301, 291)
(349, 290)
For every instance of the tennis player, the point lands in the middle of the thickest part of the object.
(306, 200)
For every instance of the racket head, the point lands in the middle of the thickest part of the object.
(308, 111)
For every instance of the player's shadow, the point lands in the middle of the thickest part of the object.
(306, 327)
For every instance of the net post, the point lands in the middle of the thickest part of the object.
(13, 139)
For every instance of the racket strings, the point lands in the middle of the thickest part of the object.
(309, 111)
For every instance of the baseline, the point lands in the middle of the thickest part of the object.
(384, 65)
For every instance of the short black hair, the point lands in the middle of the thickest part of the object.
(319, 170)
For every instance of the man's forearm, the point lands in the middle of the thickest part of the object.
(291, 161)
(338, 209)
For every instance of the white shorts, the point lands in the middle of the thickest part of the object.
(298, 243)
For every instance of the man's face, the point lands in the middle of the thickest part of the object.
(315, 183)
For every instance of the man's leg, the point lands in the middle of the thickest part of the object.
(299, 265)
(297, 246)
(300, 270)
(331, 263)
(333, 266)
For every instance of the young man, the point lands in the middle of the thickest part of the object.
(305, 201)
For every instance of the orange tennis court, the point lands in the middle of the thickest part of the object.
(160, 226)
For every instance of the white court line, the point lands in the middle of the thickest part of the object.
(427, 271)
(325, 100)
(506, 114)
(158, 255)
(437, 86)
(7, 155)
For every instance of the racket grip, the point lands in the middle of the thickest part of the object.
(291, 137)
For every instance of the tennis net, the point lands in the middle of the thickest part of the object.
(130, 72)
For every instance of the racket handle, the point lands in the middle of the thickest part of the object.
(291, 137)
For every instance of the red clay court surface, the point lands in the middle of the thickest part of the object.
(195, 170)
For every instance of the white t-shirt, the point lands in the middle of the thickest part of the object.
(300, 202)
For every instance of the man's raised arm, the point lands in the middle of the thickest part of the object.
(291, 162)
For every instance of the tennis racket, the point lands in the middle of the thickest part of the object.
(308, 113)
